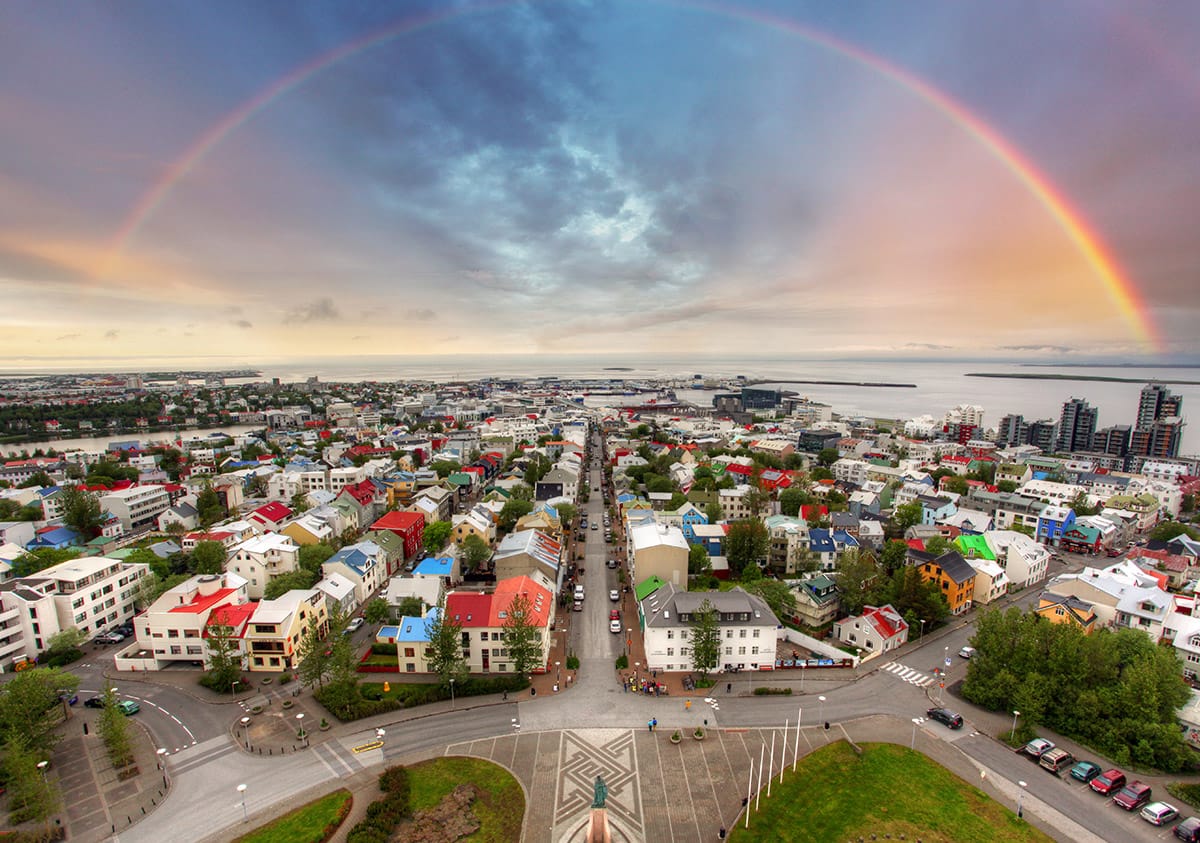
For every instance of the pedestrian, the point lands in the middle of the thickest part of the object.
(729, 687)
(655, 722)
(505, 695)
(649, 725)
(687, 705)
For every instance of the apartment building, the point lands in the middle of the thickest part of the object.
(137, 507)
(482, 617)
(262, 558)
(172, 629)
(745, 623)
(273, 633)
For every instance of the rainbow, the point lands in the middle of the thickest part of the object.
(1119, 287)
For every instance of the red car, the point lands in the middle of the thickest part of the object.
(1108, 782)
(1133, 796)
(614, 615)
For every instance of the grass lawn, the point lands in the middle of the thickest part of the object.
(837, 795)
(500, 807)
(306, 824)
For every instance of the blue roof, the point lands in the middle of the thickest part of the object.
(845, 538)
(438, 566)
(415, 630)
(354, 559)
(820, 541)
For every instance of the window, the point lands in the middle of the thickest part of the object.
(172, 633)
(729, 633)
(741, 633)
(683, 634)
(409, 667)
(670, 651)
(409, 652)
(483, 636)
(729, 651)
(671, 633)
(754, 651)
(741, 651)
(684, 651)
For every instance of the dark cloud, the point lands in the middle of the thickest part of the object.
(423, 314)
(112, 334)
(243, 323)
(319, 310)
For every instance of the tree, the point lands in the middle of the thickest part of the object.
(791, 499)
(894, 555)
(445, 468)
(855, 579)
(1007, 486)
(1168, 530)
(566, 514)
(747, 541)
(312, 556)
(10, 510)
(445, 645)
(437, 535)
(706, 639)
(30, 707)
(410, 607)
(907, 515)
(299, 502)
(751, 573)
(208, 557)
(475, 551)
(828, 456)
(1082, 507)
(224, 654)
(937, 545)
(522, 492)
(80, 511)
(514, 509)
(312, 655)
(377, 611)
(713, 512)
(63, 647)
(292, 580)
(35, 560)
(209, 507)
(32, 796)
(523, 636)
(758, 500)
(342, 661)
(39, 479)
(955, 484)
(698, 560)
(113, 728)
(775, 594)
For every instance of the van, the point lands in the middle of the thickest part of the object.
(1056, 760)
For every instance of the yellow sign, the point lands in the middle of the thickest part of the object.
(367, 747)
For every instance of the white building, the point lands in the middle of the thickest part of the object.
(171, 630)
(746, 624)
(138, 506)
(1024, 560)
(262, 558)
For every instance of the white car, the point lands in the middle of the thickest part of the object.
(614, 595)
(1159, 813)
(967, 652)
(354, 626)
(614, 626)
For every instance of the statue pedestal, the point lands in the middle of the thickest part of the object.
(598, 827)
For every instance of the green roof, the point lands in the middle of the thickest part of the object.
(459, 478)
(647, 587)
(976, 546)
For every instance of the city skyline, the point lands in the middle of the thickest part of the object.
(563, 177)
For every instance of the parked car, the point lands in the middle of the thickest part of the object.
(1132, 796)
(70, 698)
(614, 595)
(354, 626)
(94, 702)
(943, 715)
(1085, 771)
(612, 563)
(578, 607)
(967, 652)
(614, 615)
(1189, 830)
(1159, 813)
(1037, 747)
(614, 626)
(128, 707)
(1108, 782)
(595, 526)
(1056, 760)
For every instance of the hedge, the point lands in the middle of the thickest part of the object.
(365, 700)
(767, 692)
(383, 815)
(383, 649)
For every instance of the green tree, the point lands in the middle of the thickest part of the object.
(299, 502)
(513, 511)
(30, 707)
(342, 662)
(855, 579)
(292, 580)
(30, 563)
(828, 456)
(522, 492)
(113, 728)
(10, 510)
(698, 560)
(566, 514)
(80, 511)
(39, 480)
(209, 507)
(377, 611)
(706, 639)
(410, 607)
(208, 557)
(907, 515)
(746, 541)
(955, 484)
(937, 545)
(445, 645)
(32, 796)
(445, 468)
(523, 636)
(751, 573)
(1168, 530)
(1008, 486)
(224, 654)
(1081, 506)
(313, 556)
(63, 647)
(712, 511)
(776, 595)
(894, 555)
(791, 499)
(475, 551)
(312, 659)
(437, 535)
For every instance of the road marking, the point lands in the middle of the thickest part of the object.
(367, 747)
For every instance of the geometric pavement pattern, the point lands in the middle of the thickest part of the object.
(585, 754)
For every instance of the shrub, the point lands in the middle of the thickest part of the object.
(572, 662)
(383, 649)
(622, 662)
(383, 815)
(353, 702)
(767, 692)
(1188, 792)
(286, 678)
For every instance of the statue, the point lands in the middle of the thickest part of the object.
(600, 793)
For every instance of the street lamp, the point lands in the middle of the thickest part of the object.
(916, 722)
(822, 701)
(558, 671)
(451, 694)
(380, 734)
(42, 765)
(1016, 714)
(233, 687)
(803, 665)
(303, 734)
(1020, 795)
(922, 628)
(246, 730)
(241, 789)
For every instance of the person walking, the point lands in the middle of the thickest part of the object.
(687, 705)
(654, 723)
(649, 725)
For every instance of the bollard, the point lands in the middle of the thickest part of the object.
(143, 810)
(270, 751)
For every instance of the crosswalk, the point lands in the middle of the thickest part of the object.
(909, 675)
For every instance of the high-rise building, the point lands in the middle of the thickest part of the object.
(1043, 434)
(1155, 402)
(1112, 440)
(1076, 426)
(1012, 430)
(1160, 440)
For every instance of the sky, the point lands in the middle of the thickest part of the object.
(286, 179)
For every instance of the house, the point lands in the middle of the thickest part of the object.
(969, 521)
(310, 528)
(364, 564)
(444, 568)
(274, 632)
(263, 558)
(878, 629)
(746, 625)
(391, 545)
(340, 593)
(53, 538)
(1053, 522)
(183, 514)
(426, 589)
(817, 601)
(525, 552)
(1024, 560)
(1066, 608)
(934, 510)
(711, 537)
(477, 522)
(658, 550)
(409, 526)
(411, 637)
(138, 507)
(954, 577)
(172, 629)
(1080, 538)
(991, 581)
(483, 616)
(270, 517)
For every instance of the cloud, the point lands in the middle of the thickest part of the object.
(358, 337)
(111, 334)
(925, 346)
(318, 310)
(243, 323)
(67, 337)
(1057, 349)
(424, 314)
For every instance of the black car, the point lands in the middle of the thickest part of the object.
(1189, 830)
(944, 715)
(94, 702)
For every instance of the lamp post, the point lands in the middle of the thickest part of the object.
(922, 628)
(42, 765)
(241, 789)
(451, 693)
(1016, 714)
(916, 722)
(1020, 796)
(246, 730)
(161, 752)
(303, 735)
(803, 665)
(233, 687)
(558, 672)
(821, 699)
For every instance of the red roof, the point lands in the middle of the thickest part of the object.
(808, 510)
(273, 511)
(469, 609)
(738, 468)
(402, 521)
(203, 603)
(231, 614)
(885, 620)
(363, 492)
(915, 544)
(507, 591)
